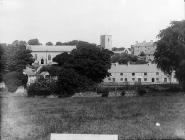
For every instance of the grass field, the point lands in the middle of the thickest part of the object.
(131, 118)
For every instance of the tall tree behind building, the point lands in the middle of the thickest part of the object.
(170, 52)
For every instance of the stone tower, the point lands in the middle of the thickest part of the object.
(106, 41)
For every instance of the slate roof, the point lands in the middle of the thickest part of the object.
(44, 48)
(124, 68)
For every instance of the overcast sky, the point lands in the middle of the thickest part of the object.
(64, 20)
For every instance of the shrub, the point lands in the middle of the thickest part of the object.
(105, 94)
(141, 91)
(123, 93)
(70, 82)
(14, 79)
(43, 87)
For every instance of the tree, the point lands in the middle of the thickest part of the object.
(70, 82)
(15, 59)
(118, 49)
(49, 44)
(1, 62)
(86, 65)
(170, 52)
(63, 58)
(58, 43)
(19, 43)
(123, 58)
(34, 42)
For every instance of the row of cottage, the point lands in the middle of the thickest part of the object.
(120, 73)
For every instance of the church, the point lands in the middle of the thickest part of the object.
(44, 55)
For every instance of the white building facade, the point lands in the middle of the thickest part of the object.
(44, 55)
(138, 73)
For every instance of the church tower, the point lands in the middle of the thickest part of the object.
(106, 41)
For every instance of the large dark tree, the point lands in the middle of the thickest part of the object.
(170, 52)
(34, 42)
(86, 64)
(1, 62)
(15, 59)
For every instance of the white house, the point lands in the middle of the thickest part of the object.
(134, 73)
(43, 55)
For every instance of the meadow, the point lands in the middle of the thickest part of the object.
(24, 118)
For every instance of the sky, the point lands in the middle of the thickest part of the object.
(65, 20)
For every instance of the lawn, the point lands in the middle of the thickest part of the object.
(130, 117)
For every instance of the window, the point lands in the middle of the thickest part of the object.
(121, 79)
(121, 73)
(157, 79)
(133, 74)
(49, 57)
(113, 79)
(157, 73)
(125, 79)
(133, 79)
(145, 73)
(109, 79)
(35, 56)
(145, 79)
(153, 79)
(165, 80)
(42, 61)
(139, 79)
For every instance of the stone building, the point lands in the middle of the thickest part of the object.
(106, 41)
(138, 73)
(43, 55)
(148, 48)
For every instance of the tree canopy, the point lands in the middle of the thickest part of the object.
(86, 65)
(124, 58)
(15, 58)
(1, 62)
(170, 52)
(34, 42)
(58, 43)
(49, 44)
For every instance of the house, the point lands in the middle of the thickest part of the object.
(43, 54)
(31, 73)
(138, 73)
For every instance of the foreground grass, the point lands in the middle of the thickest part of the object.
(131, 118)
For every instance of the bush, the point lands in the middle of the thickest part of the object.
(14, 79)
(43, 87)
(141, 91)
(70, 82)
(123, 93)
(105, 94)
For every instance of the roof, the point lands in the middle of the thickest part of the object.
(44, 48)
(44, 73)
(28, 71)
(124, 68)
(144, 43)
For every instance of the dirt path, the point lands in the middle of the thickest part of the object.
(13, 122)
